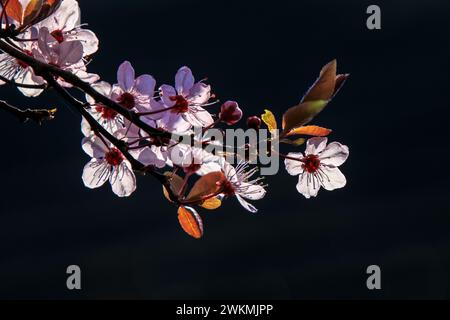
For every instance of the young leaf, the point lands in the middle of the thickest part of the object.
(207, 186)
(14, 10)
(176, 183)
(269, 120)
(211, 204)
(315, 131)
(340, 81)
(296, 143)
(302, 114)
(32, 10)
(324, 87)
(190, 221)
(47, 8)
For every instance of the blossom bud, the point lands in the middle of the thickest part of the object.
(254, 122)
(230, 113)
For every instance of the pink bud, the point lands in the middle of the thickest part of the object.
(230, 113)
(254, 122)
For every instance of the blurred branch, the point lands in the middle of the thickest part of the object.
(36, 115)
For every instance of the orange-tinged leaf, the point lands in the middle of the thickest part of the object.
(324, 87)
(270, 120)
(32, 10)
(211, 204)
(176, 183)
(190, 221)
(315, 131)
(302, 114)
(14, 10)
(207, 186)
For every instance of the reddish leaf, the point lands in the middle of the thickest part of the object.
(14, 10)
(301, 114)
(315, 131)
(176, 183)
(32, 10)
(324, 87)
(340, 81)
(207, 186)
(47, 8)
(190, 221)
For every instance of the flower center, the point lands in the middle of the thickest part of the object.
(22, 64)
(181, 104)
(114, 157)
(228, 188)
(106, 113)
(58, 35)
(127, 100)
(311, 163)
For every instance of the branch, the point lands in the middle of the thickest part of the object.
(21, 85)
(36, 115)
(102, 132)
(41, 68)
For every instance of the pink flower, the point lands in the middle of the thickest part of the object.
(319, 167)
(194, 160)
(67, 55)
(65, 26)
(185, 102)
(107, 163)
(136, 93)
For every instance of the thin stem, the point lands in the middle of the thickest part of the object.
(36, 115)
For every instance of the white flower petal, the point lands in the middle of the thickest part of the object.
(96, 173)
(246, 205)
(94, 147)
(293, 167)
(332, 178)
(308, 185)
(315, 145)
(335, 154)
(252, 191)
(123, 180)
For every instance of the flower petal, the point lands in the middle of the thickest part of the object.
(315, 145)
(96, 173)
(145, 84)
(184, 81)
(246, 205)
(308, 185)
(200, 93)
(166, 93)
(87, 38)
(123, 180)
(198, 117)
(125, 76)
(332, 178)
(252, 191)
(94, 147)
(335, 154)
(293, 167)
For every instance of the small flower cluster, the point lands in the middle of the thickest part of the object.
(134, 126)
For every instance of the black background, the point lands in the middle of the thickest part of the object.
(393, 113)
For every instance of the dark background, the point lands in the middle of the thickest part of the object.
(393, 113)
